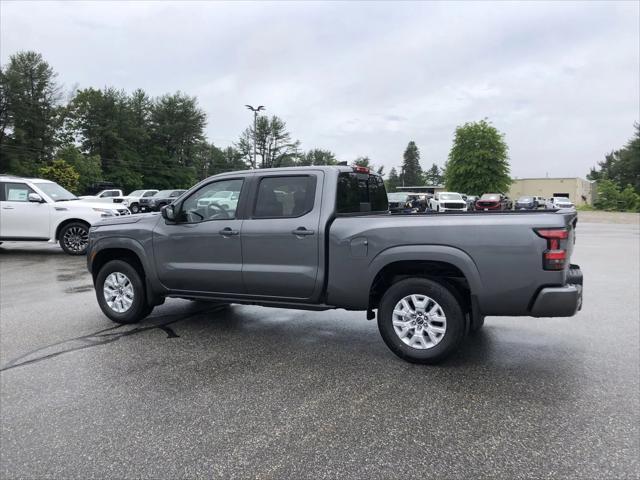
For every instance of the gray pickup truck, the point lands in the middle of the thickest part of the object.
(319, 238)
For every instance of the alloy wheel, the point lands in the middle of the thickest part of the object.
(76, 239)
(118, 292)
(419, 321)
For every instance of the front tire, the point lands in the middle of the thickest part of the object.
(134, 207)
(421, 321)
(74, 238)
(121, 293)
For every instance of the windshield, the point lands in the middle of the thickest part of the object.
(136, 193)
(450, 196)
(56, 192)
(494, 197)
(525, 199)
(397, 197)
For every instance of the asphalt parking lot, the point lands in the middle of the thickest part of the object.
(244, 392)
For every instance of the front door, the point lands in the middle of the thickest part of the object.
(201, 251)
(20, 218)
(280, 246)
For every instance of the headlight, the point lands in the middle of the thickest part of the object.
(105, 212)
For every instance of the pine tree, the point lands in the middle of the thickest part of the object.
(411, 169)
(433, 176)
(393, 182)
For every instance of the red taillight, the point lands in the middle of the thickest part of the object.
(359, 169)
(555, 257)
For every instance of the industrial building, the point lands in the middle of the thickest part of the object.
(579, 191)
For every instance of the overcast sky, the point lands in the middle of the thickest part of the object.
(561, 80)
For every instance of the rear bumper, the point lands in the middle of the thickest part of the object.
(563, 301)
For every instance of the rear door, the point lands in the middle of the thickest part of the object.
(280, 246)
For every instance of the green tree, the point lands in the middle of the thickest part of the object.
(433, 176)
(317, 156)
(87, 166)
(62, 173)
(629, 199)
(621, 166)
(29, 113)
(274, 145)
(478, 161)
(393, 182)
(611, 197)
(411, 170)
(177, 125)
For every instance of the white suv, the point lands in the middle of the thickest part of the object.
(132, 201)
(32, 209)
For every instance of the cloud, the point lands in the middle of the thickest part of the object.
(559, 79)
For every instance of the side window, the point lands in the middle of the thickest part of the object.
(215, 201)
(175, 194)
(16, 192)
(285, 197)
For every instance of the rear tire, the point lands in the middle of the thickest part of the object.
(121, 293)
(430, 334)
(74, 238)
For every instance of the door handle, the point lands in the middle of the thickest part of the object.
(301, 231)
(228, 232)
(7, 208)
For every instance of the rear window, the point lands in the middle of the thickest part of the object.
(361, 192)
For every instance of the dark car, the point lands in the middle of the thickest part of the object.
(159, 200)
(400, 202)
(526, 203)
(493, 201)
(471, 201)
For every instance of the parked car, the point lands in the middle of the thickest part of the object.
(36, 210)
(336, 246)
(540, 202)
(97, 187)
(108, 196)
(159, 200)
(526, 203)
(132, 201)
(448, 201)
(493, 201)
(400, 202)
(559, 202)
(471, 201)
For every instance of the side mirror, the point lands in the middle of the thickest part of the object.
(35, 198)
(168, 213)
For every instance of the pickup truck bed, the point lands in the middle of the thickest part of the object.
(320, 238)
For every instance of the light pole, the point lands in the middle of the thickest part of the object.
(255, 123)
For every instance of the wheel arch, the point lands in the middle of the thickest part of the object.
(449, 265)
(66, 222)
(131, 251)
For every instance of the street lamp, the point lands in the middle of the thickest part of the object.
(255, 122)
